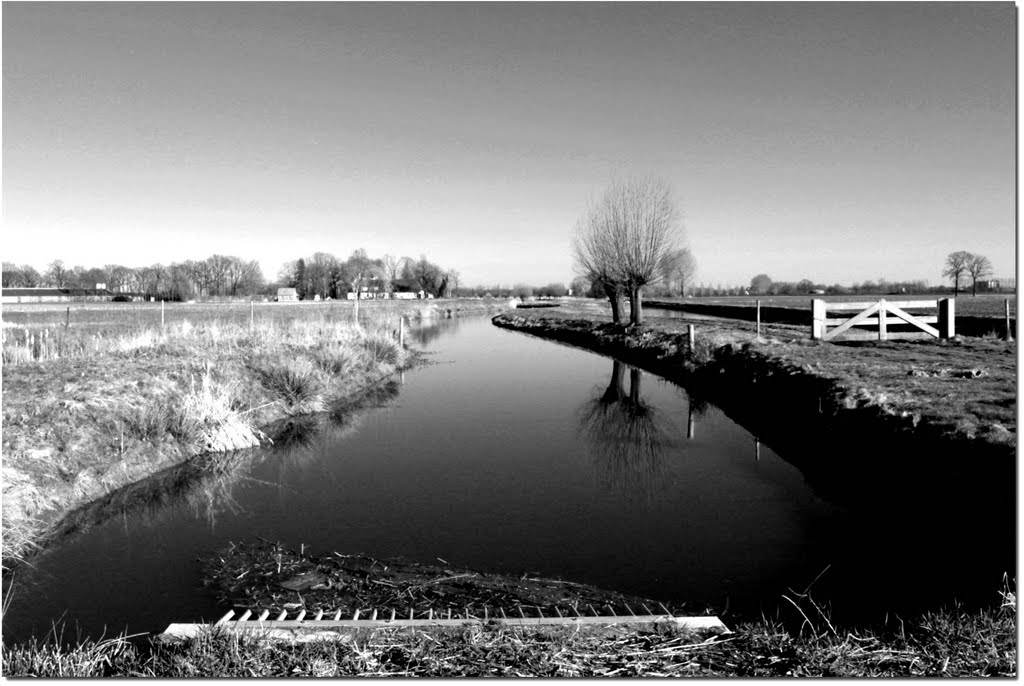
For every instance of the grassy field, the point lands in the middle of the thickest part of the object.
(985, 305)
(109, 316)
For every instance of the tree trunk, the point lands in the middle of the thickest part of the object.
(635, 375)
(636, 315)
(615, 392)
(356, 309)
(974, 288)
(956, 285)
(615, 298)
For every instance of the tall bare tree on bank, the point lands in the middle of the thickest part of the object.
(595, 258)
(978, 267)
(625, 236)
(956, 267)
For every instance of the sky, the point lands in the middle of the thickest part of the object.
(839, 142)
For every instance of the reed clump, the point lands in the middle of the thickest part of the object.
(86, 412)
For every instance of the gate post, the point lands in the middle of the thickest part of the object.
(947, 318)
(817, 319)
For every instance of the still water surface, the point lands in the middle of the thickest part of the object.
(512, 454)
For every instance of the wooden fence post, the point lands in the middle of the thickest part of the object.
(689, 337)
(758, 304)
(690, 424)
(401, 331)
(161, 314)
(1009, 333)
(883, 331)
(947, 318)
(817, 319)
(67, 318)
(252, 314)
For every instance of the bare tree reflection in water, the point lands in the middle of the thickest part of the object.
(625, 436)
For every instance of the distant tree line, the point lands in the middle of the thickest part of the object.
(217, 275)
(324, 275)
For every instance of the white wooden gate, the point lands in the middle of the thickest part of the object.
(882, 314)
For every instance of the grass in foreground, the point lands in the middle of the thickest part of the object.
(949, 643)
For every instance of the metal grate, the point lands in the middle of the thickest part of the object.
(321, 622)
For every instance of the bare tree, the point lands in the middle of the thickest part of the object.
(978, 267)
(626, 236)
(956, 267)
(391, 270)
(595, 258)
(11, 275)
(679, 268)
(58, 273)
(30, 278)
(453, 282)
(322, 273)
(427, 274)
(359, 269)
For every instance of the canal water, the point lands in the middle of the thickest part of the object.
(512, 454)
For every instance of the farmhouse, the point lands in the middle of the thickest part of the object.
(287, 295)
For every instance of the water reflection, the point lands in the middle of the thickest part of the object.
(207, 484)
(432, 329)
(625, 436)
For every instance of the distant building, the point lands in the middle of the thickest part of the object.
(286, 295)
(52, 295)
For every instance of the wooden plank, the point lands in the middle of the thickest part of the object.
(873, 321)
(908, 304)
(245, 616)
(873, 336)
(263, 615)
(818, 318)
(947, 318)
(853, 321)
(227, 615)
(911, 319)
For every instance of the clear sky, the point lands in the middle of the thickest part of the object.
(837, 142)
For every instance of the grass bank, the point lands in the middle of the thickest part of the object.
(102, 410)
(947, 643)
(960, 389)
